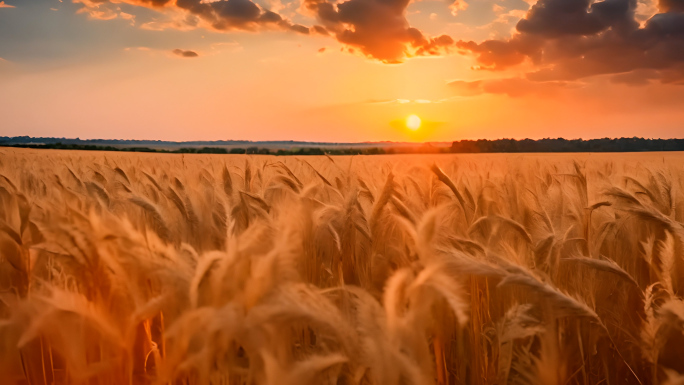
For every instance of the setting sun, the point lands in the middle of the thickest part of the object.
(413, 122)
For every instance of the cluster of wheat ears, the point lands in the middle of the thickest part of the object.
(384, 270)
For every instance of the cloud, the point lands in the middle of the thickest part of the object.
(457, 6)
(184, 53)
(504, 17)
(639, 77)
(146, 49)
(103, 10)
(222, 47)
(376, 28)
(221, 15)
(179, 21)
(3, 5)
(562, 40)
(299, 29)
(645, 9)
(498, 54)
(574, 39)
(512, 87)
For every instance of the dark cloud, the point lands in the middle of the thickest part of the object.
(497, 54)
(573, 39)
(377, 28)
(320, 30)
(183, 53)
(270, 17)
(232, 14)
(299, 29)
(555, 18)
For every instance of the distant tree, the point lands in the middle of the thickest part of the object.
(565, 145)
(212, 150)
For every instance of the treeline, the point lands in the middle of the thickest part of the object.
(294, 151)
(6, 140)
(83, 147)
(565, 145)
(210, 150)
(460, 147)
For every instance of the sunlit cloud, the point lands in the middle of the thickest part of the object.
(4, 5)
(104, 11)
(645, 9)
(376, 29)
(506, 17)
(457, 6)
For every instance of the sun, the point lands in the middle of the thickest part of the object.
(413, 122)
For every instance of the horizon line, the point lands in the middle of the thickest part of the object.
(239, 141)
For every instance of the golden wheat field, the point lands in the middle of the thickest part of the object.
(394, 270)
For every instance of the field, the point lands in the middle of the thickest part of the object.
(393, 270)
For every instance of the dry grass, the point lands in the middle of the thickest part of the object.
(392, 270)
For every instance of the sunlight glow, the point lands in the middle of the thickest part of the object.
(413, 122)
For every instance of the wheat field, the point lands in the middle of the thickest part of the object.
(394, 270)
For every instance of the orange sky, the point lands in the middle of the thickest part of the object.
(346, 71)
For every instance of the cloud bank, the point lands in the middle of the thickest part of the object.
(574, 39)
(376, 28)
(560, 40)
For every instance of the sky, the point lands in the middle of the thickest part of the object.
(341, 71)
